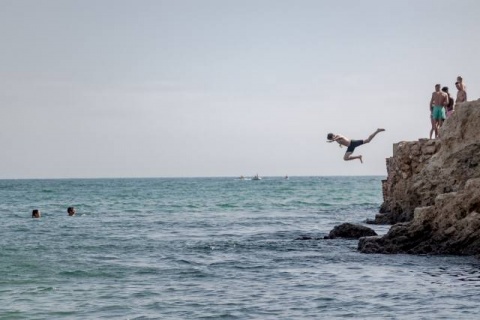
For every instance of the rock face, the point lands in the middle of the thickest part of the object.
(409, 158)
(350, 231)
(433, 189)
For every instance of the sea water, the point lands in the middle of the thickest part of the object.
(213, 248)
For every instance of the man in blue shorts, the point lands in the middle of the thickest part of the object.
(350, 144)
(437, 106)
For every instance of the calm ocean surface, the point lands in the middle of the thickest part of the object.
(213, 248)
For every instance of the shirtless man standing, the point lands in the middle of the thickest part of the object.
(350, 144)
(461, 94)
(438, 102)
(462, 85)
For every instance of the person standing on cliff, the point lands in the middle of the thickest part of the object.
(432, 129)
(438, 101)
(450, 102)
(350, 144)
(462, 93)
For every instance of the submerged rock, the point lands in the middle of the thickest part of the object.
(350, 231)
(433, 190)
(307, 238)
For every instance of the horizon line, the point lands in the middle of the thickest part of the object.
(191, 177)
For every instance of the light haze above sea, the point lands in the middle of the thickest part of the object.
(149, 88)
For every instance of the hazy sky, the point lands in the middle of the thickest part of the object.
(179, 88)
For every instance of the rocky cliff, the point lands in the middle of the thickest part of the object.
(403, 169)
(433, 190)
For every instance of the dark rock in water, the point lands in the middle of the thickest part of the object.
(307, 238)
(350, 231)
(400, 239)
(304, 238)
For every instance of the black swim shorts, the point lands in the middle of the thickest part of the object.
(353, 145)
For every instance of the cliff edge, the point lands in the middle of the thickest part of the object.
(432, 191)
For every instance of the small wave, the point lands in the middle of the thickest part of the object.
(227, 205)
(463, 275)
(89, 274)
(132, 211)
(45, 289)
(147, 270)
(106, 258)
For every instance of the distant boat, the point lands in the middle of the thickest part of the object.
(256, 178)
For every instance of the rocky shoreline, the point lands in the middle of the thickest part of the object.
(432, 192)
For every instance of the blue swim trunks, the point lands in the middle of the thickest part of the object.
(438, 113)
